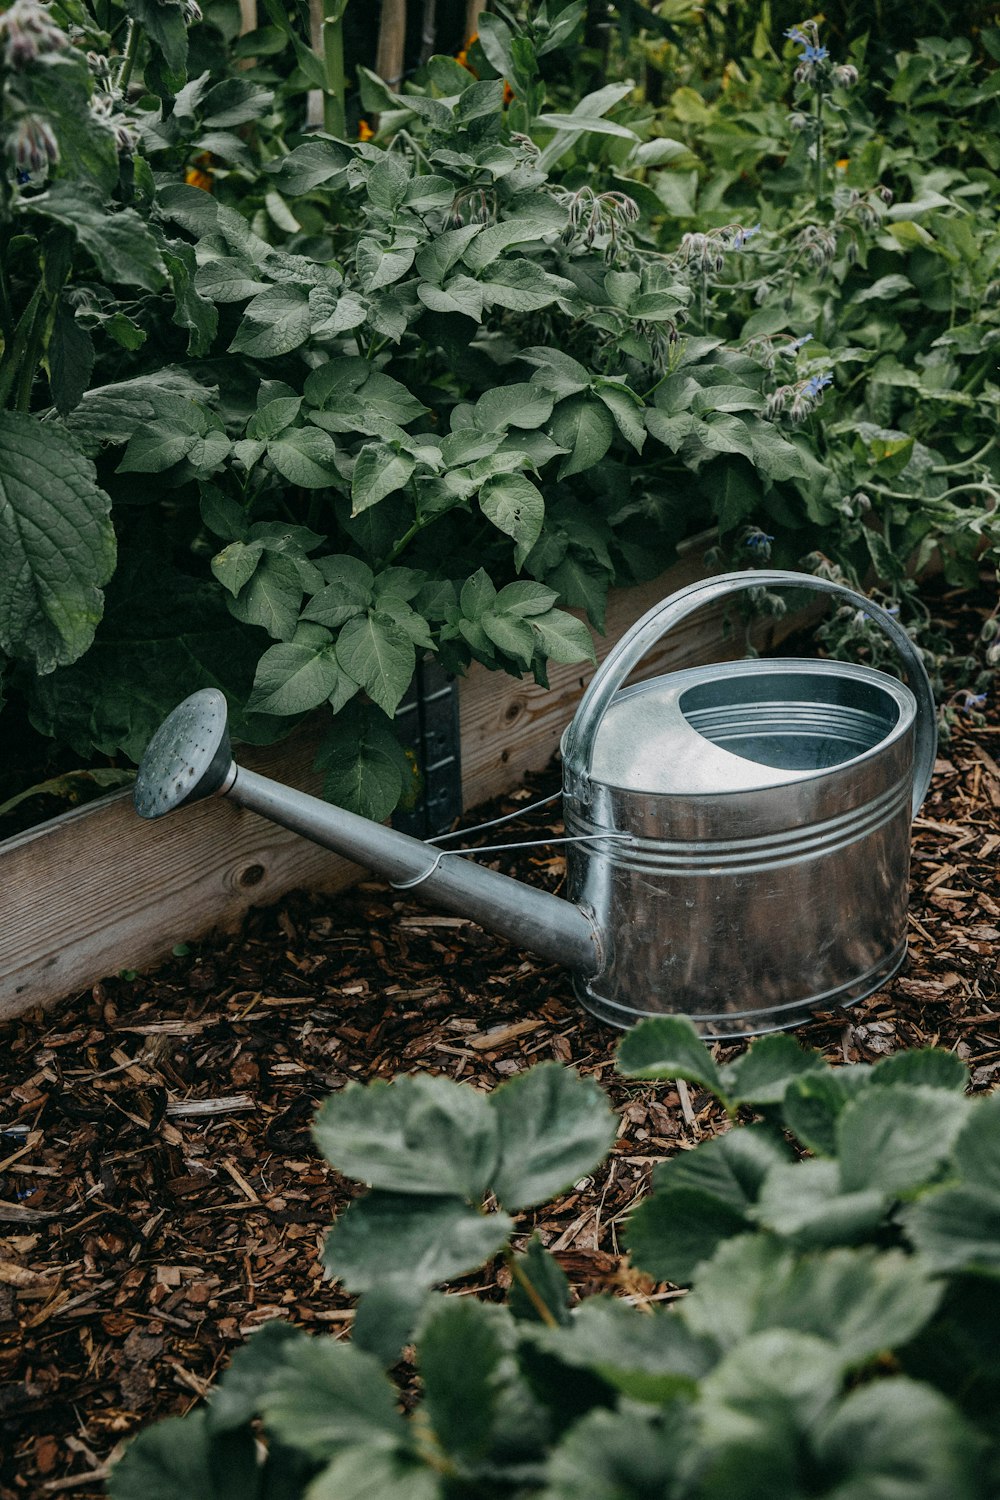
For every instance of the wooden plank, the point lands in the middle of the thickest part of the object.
(98, 890)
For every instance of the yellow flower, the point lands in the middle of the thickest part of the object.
(365, 132)
(199, 174)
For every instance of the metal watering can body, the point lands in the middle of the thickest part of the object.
(742, 829)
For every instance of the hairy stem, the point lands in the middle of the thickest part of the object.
(132, 36)
(819, 148)
(334, 121)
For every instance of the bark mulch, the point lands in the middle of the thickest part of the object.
(160, 1197)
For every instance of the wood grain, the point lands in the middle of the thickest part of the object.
(98, 890)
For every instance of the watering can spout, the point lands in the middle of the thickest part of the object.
(189, 758)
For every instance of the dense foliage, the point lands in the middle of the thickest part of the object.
(359, 401)
(838, 1339)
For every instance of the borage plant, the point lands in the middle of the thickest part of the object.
(839, 1337)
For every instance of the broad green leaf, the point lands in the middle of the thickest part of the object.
(777, 1367)
(416, 1134)
(159, 446)
(622, 1455)
(525, 599)
(930, 1066)
(462, 1394)
(305, 456)
(328, 1396)
(668, 1047)
(178, 1458)
(236, 1399)
(649, 1357)
(163, 22)
(378, 267)
(672, 430)
(293, 678)
(429, 1240)
(70, 358)
(582, 584)
(271, 598)
(957, 1229)
(57, 544)
(478, 595)
(896, 1438)
(577, 124)
(344, 597)
(864, 1301)
(563, 637)
(366, 767)
(191, 311)
(274, 322)
(515, 506)
(121, 244)
(554, 1127)
(557, 372)
(895, 1139)
(520, 404)
(236, 564)
(810, 1108)
(805, 1202)
(369, 1473)
(731, 1166)
(273, 417)
(308, 166)
(584, 427)
(444, 251)
(726, 435)
(385, 1318)
(727, 398)
(511, 634)
(228, 280)
(765, 1070)
(461, 295)
(977, 1148)
(379, 656)
(773, 454)
(626, 409)
(377, 473)
(545, 217)
(542, 1281)
(672, 1232)
(523, 286)
(388, 179)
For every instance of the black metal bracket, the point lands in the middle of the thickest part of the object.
(427, 724)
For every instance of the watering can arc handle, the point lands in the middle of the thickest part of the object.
(581, 735)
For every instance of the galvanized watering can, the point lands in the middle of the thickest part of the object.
(740, 832)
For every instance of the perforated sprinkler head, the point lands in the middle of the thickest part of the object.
(188, 758)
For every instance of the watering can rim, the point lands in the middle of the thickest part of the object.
(767, 779)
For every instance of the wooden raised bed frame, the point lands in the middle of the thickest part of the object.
(98, 890)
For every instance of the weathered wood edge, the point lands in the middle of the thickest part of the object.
(98, 890)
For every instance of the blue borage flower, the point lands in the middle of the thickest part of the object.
(974, 700)
(816, 383)
(815, 54)
(757, 540)
(796, 34)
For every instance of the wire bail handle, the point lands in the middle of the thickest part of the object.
(581, 736)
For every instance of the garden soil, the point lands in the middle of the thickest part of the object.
(160, 1196)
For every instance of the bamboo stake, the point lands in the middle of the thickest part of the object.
(248, 23)
(391, 43)
(473, 10)
(428, 30)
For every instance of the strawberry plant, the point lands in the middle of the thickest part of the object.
(838, 1338)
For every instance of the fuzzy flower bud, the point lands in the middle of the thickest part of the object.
(32, 146)
(191, 11)
(26, 34)
(846, 75)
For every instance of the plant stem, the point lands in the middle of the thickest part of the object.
(819, 148)
(334, 119)
(32, 355)
(132, 36)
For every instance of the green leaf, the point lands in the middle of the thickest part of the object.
(525, 599)
(271, 598)
(236, 564)
(957, 1229)
(388, 179)
(584, 427)
(731, 1167)
(308, 166)
(385, 1318)
(178, 1458)
(378, 267)
(191, 311)
(348, 592)
(648, 1357)
(627, 1454)
(778, 1373)
(668, 1047)
(416, 1134)
(273, 417)
(121, 244)
(328, 1397)
(810, 1108)
(523, 286)
(428, 1240)
(557, 372)
(547, 1280)
(804, 1201)
(444, 251)
(228, 280)
(237, 1397)
(520, 404)
(305, 456)
(562, 637)
(293, 678)
(70, 359)
(929, 1066)
(274, 322)
(626, 409)
(895, 1438)
(672, 1232)
(583, 124)
(377, 473)
(515, 507)
(461, 295)
(379, 656)
(764, 1072)
(162, 21)
(463, 1394)
(513, 636)
(57, 544)
(370, 1473)
(892, 1140)
(554, 1127)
